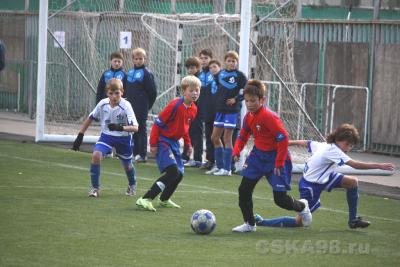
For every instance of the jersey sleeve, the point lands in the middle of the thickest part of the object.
(151, 88)
(241, 84)
(130, 115)
(312, 146)
(124, 81)
(276, 127)
(161, 122)
(100, 89)
(337, 156)
(95, 114)
(243, 137)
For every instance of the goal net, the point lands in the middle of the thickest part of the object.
(83, 35)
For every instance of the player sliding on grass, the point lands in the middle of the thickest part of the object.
(269, 157)
(117, 121)
(171, 125)
(319, 175)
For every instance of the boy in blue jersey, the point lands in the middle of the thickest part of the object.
(192, 66)
(117, 121)
(319, 175)
(141, 92)
(171, 125)
(228, 99)
(116, 71)
(207, 103)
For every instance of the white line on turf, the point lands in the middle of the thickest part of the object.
(220, 191)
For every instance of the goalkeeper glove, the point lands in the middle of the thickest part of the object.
(78, 142)
(115, 127)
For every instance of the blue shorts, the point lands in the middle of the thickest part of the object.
(227, 121)
(260, 163)
(123, 146)
(169, 154)
(312, 191)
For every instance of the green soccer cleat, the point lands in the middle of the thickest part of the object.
(145, 204)
(168, 204)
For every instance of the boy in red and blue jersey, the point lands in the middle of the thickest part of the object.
(171, 125)
(269, 157)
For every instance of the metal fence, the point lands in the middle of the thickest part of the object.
(18, 30)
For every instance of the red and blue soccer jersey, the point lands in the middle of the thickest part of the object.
(173, 122)
(268, 132)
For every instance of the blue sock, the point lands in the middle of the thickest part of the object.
(95, 175)
(130, 174)
(352, 201)
(285, 221)
(219, 157)
(227, 158)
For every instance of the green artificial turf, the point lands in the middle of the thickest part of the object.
(46, 219)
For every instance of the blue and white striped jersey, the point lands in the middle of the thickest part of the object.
(122, 114)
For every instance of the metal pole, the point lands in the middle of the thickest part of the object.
(245, 20)
(41, 73)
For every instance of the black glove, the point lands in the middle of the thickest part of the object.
(115, 127)
(78, 142)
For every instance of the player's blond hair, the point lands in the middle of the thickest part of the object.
(190, 81)
(232, 54)
(114, 84)
(139, 51)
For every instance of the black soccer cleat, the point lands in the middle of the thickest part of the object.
(358, 223)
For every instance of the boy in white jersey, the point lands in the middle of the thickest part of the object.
(319, 174)
(118, 121)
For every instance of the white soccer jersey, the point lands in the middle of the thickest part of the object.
(122, 114)
(325, 158)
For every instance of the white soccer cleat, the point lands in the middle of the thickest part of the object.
(94, 192)
(213, 170)
(223, 172)
(306, 216)
(244, 228)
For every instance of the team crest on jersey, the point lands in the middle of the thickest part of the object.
(258, 127)
(244, 166)
(231, 80)
(120, 117)
(171, 156)
(138, 75)
(119, 76)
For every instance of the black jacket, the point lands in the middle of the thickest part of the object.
(108, 74)
(230, 85)
(140, 91)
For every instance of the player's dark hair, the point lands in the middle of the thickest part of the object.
(206, 52)
(116, 54)
(192, 61)
(345, 132)
(216, 62)
(254, 87)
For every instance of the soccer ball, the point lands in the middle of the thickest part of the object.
(203, 222)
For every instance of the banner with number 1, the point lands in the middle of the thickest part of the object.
(125, 40)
